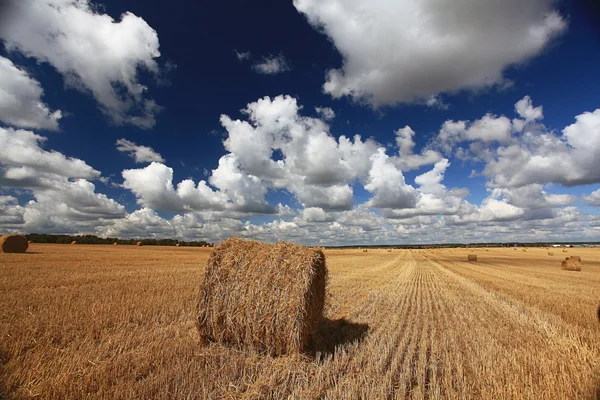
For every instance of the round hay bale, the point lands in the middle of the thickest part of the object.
(139, 244)
(550, 253)
(524, 250)
(570, 264)
(472, 257)
(578, 258)
(74, 242)
(177, 245)
(365, 250)
(13, 244)
(115, 244)
(264, 297)
(564, 250)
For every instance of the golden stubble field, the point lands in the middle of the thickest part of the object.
(118, 322)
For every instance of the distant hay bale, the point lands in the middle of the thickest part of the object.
(550, 253)
(74, 242)
(389, 251)
(139, 244)
(524, 250)
(13, 244)
(365, 250)
(571, 264)
(264, 297)
(515, 249)
(472, 257)
(177, 245)
(115, 244)
(564, 250)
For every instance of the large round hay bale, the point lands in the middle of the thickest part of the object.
(115, 244)
(264, 297)
(74, 242)
(13, 244)
(139, 244)
(578, 258)
(472, 257)
(177, 245)
(571, 264)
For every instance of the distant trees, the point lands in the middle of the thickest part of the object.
(93, 239)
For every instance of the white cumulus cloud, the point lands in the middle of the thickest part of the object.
(20, 100)
(407, 51)
(93, 52)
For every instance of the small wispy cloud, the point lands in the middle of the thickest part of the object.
(436, 101)
(242, 55)
(141, 154)
(272, 65)
(325, 112)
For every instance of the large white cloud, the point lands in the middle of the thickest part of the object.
(277, 149)
(63, 198)
(20, 100)
(408, 51)
(541, 156)
(24, 163)
(93, 52)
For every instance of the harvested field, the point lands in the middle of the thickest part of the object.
(119, 322)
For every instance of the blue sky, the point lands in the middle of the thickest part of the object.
(477, 121)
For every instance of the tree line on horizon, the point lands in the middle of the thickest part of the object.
(93, 239)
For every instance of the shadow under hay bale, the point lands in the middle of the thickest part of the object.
(571, 264)
(472, 257)
(331, 334)
(13, 244)
(263, 297)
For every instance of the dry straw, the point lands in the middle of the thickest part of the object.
(13, 244)
(74, 242)
(263, 297)
(571, 264)
(115, 244)
(564, 250)
(524, 250)
(578, 258)
(472, 257)
(139, 244)
(550, 253)
(177, 245)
